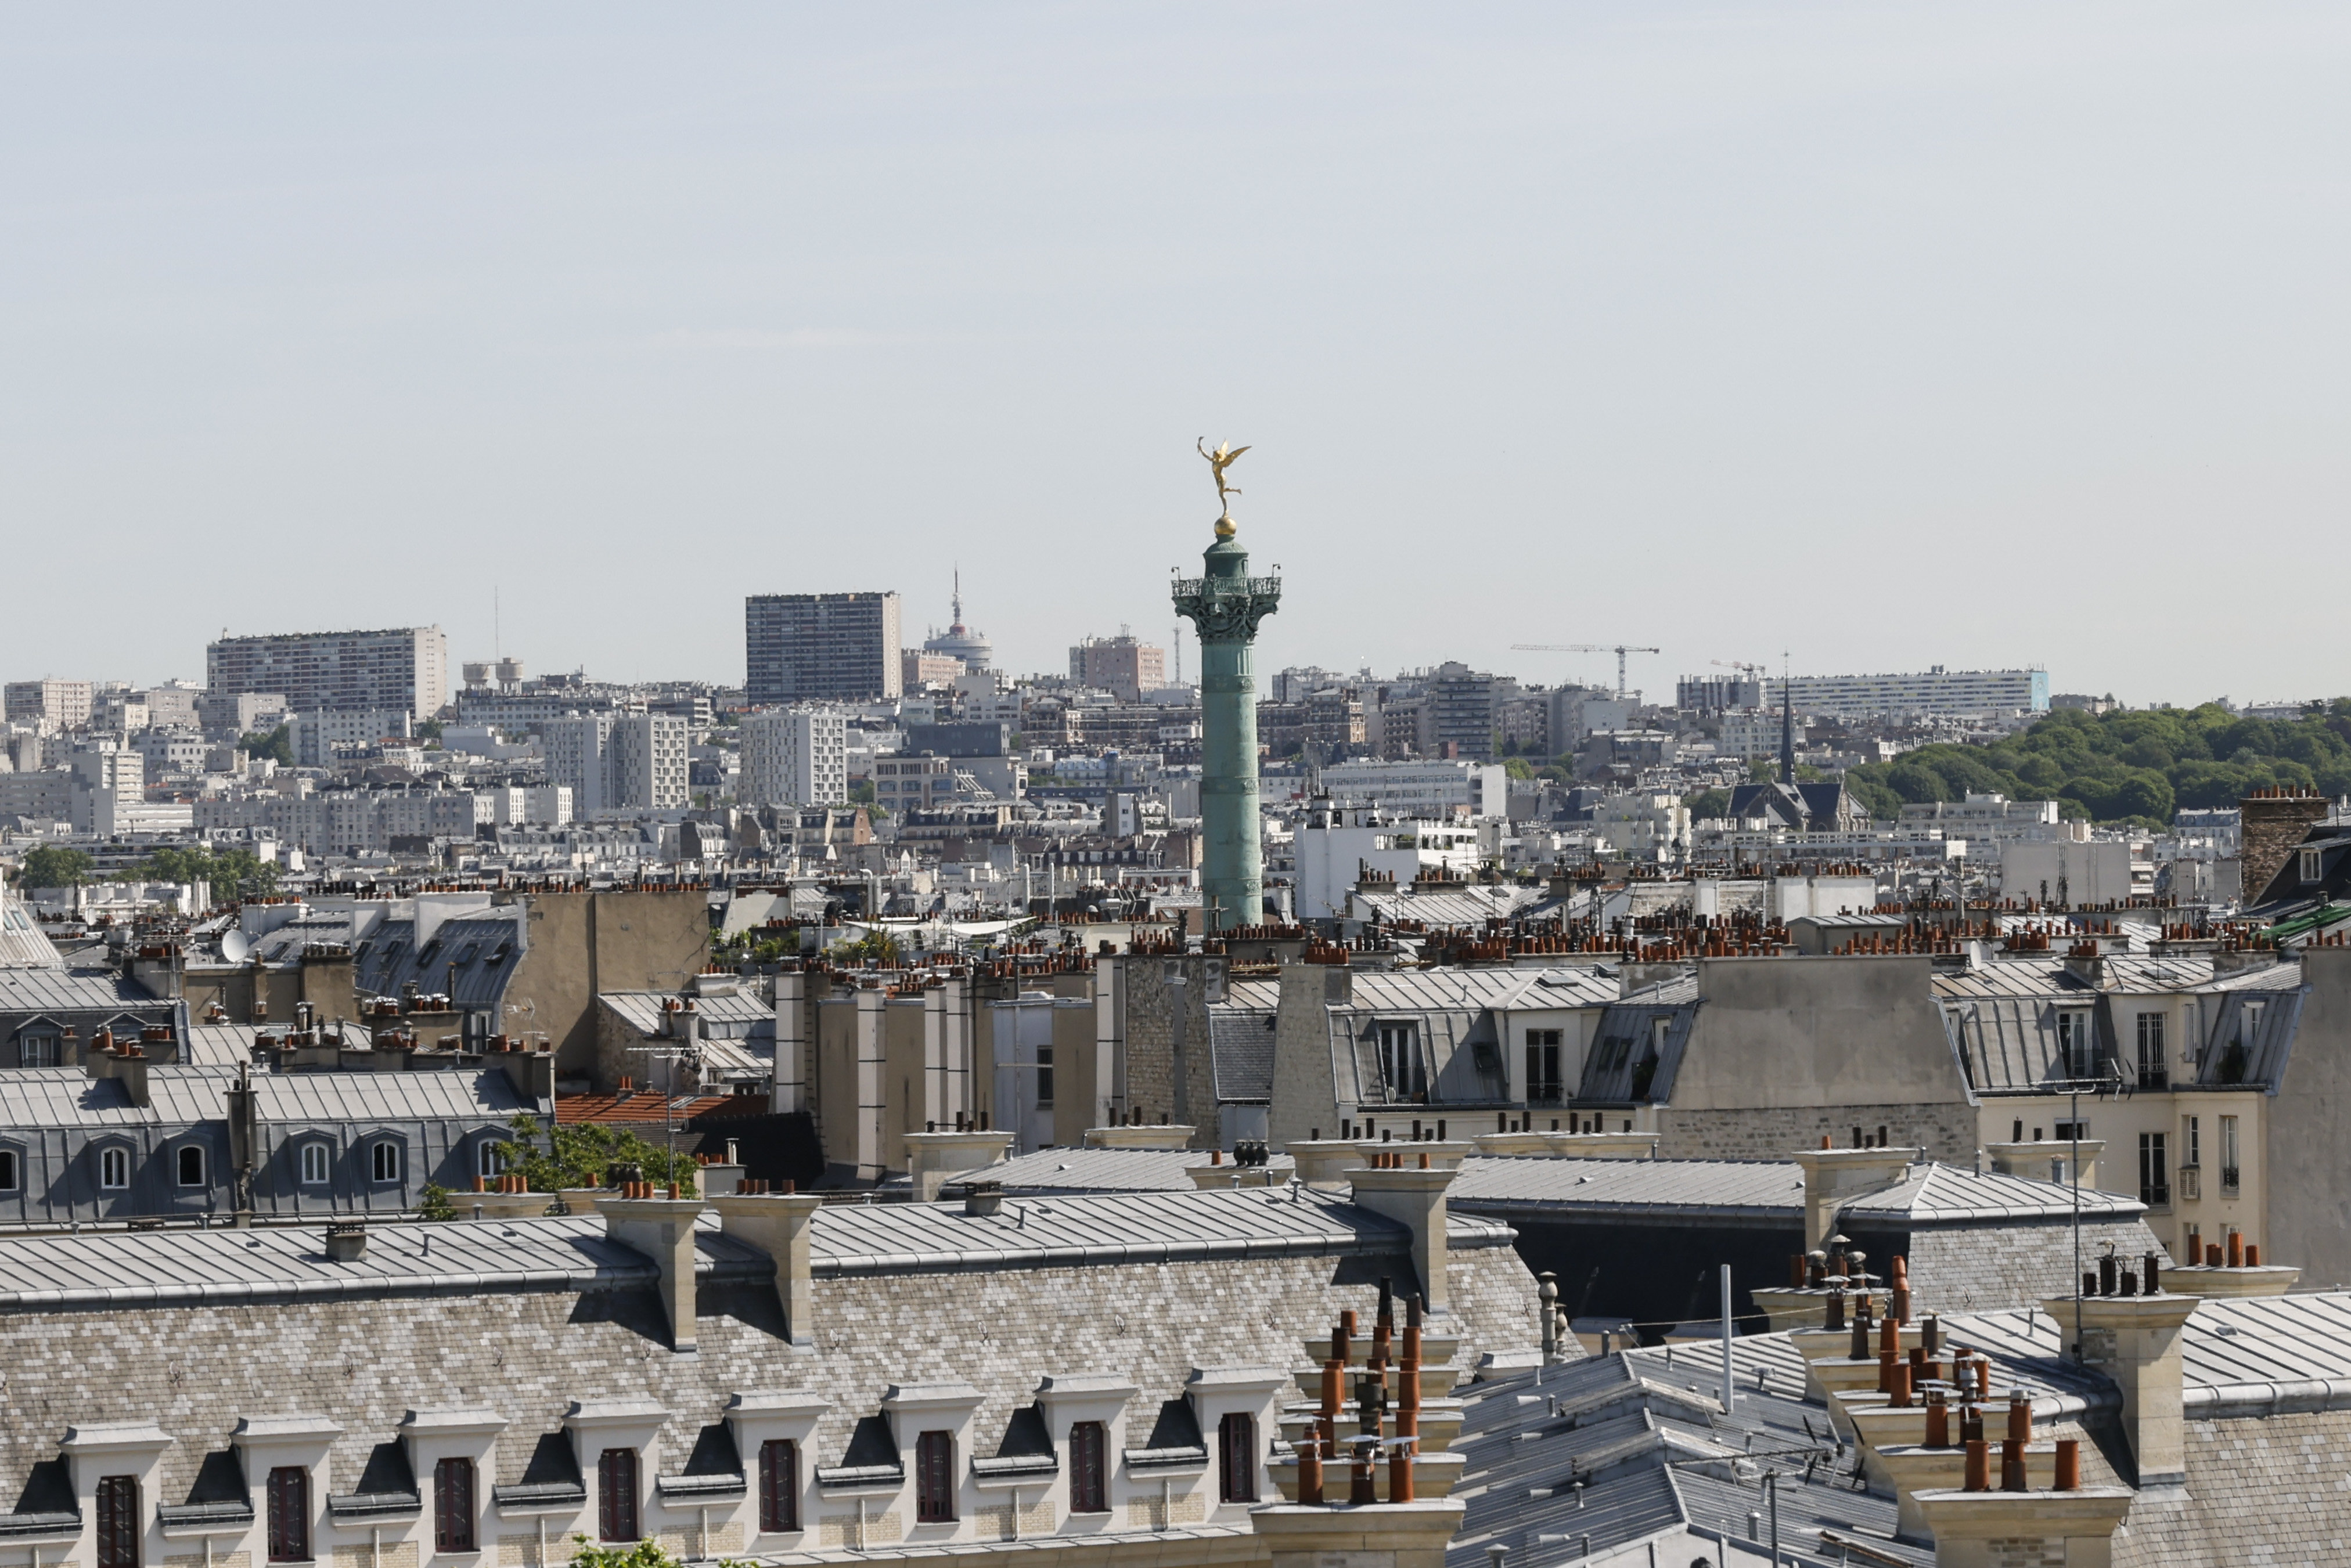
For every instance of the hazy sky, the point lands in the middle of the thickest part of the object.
(1889, 335)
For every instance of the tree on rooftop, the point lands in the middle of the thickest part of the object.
(580, 1154)
(278, 743)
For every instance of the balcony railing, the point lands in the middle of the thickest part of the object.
(2229, 1180)
(2155, 1197)
(2153, 1078)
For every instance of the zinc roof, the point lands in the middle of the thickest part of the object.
(2239, 1357)
(1473, 904)
(1762, 1189)
(1108, 1170)
(63, 990)
(1953, 1193)
(1645, 1434)
(68, 1096)
(1758, 1189)
(180, 1267)
(23, 943)
(218, 1044)
(445, 1095)
(1134, 1227)
(718, 1018)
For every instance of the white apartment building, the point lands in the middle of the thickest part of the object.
(1642, 826)
(618, 762)
(1986, 820)
(405, 668)
(314, 735)
(794, 757)
(518, 805)
(104, 770)
(1334, 847)
(50, 706)
(1951, 694)
(1435, 789)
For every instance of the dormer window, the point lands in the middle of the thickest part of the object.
(114, 1169)
(2311, 870)
(1402, 1068)
(118, 1521)
(314, 1164)
(616, 1495)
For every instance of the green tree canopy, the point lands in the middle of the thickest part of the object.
(2134, 768)
(233, 872)
(1708, 804)
(579, 1155)
(278, 743)
(54, 865)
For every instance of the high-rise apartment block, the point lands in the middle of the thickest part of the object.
(820, 647)
(1947, 694)
(1119, 664)
(618, 762)
(50, 704)
(794, 757)
(342, 672)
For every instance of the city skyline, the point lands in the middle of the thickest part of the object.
(1881, 338)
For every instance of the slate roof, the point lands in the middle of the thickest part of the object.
(1240, 1047)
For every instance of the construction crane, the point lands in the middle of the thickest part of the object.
(1619, 649)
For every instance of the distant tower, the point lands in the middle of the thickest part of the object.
(1226, 603)
(959, 641)
(1787, 725)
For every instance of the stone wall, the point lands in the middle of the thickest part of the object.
(1150, 1024)
(2273, 825)
(1945, 1130)
(363, 1363)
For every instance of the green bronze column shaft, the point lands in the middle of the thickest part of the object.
(1226, 605)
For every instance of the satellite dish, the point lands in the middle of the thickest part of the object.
(235, 946)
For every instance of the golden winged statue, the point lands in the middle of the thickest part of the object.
(1222, 458)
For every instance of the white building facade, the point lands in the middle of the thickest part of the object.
(794, 757)
(1436, 789)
